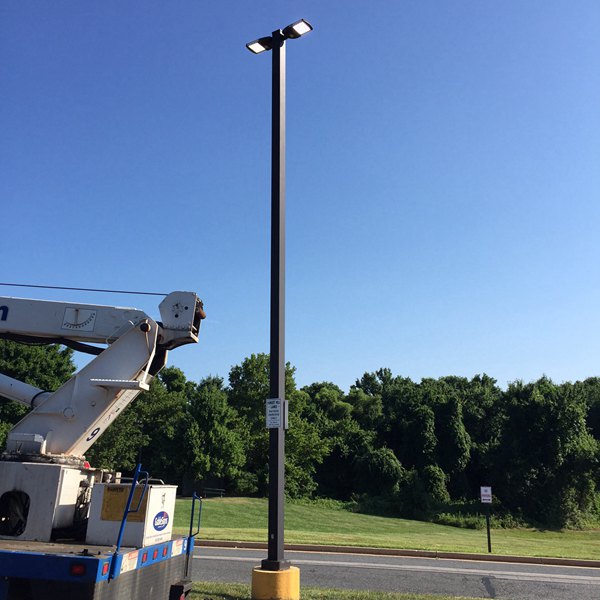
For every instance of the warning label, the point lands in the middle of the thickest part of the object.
(115, 499)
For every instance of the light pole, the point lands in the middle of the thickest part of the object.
(276, 43)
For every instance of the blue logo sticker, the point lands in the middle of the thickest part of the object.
(161, 520)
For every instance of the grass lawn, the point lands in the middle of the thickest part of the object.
(245, 519)
(223, 591)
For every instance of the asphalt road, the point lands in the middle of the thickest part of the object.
(418, 575)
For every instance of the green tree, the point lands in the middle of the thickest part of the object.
(481, 401)
(220, 443)
(379, 472)
(408, 424)
(248, 390)
(306, 449)
(367, 409)
(340, 472)
(546, 464)
(480, 398)
(453, 443)
(342, 439)
(249, 387)
(325, 399)
(590, 388)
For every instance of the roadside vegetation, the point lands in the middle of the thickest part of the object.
(222, 591)
(389, 447)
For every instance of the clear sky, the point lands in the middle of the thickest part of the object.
(443, 176)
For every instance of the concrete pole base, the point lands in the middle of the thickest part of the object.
(276, 585)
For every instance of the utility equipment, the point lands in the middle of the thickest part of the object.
(64, 526)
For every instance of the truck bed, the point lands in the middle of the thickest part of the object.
(54, 571)
(66, 547)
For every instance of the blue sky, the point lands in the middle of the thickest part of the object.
(443, 180)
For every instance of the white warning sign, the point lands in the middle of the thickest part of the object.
(273, 413)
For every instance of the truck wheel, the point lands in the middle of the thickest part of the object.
(180, 590)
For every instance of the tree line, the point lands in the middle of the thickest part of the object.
(390, 445)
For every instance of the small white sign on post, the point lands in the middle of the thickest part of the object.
(273, 412)
(486, 494)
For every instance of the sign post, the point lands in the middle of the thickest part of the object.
(276, 413)
(486, 498)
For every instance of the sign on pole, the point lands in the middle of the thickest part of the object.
(273, 411)
(486, 495)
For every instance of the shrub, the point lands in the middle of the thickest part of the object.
(475, 521)
(434, 480)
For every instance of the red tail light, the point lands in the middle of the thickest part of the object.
(77, 569)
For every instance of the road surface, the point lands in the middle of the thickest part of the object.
(506, 581)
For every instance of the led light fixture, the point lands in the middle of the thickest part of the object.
(261, 45)
(291, 32)
(295, 30)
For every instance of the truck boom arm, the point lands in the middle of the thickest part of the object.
(25, 319)
(64, 424)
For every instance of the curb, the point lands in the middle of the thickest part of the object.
(503, 558)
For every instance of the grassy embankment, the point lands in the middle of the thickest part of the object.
(222, 591)
(245, 519)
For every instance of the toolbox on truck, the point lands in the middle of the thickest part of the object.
(152, 523)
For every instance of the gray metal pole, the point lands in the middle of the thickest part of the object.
(275, 558)
(487, 523)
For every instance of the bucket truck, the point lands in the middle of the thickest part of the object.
(66, 529)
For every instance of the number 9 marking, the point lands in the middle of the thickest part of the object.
(93, 434)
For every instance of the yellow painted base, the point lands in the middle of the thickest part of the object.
(276, 585)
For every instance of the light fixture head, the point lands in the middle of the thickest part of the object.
(297, 29)
(261, 45)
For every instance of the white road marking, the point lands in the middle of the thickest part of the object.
(514, 576)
